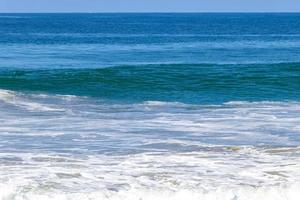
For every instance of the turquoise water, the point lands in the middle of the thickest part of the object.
(186, 83)
(149, 106)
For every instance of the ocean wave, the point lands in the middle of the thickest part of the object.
(150, 106)
(240, 123)
(186, 83)
(22, 101)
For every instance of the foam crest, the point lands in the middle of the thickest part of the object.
(23, 101)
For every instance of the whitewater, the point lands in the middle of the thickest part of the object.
(68, 147)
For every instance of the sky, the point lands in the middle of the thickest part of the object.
(8, 6)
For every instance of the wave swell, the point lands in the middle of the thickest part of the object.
(187, 83)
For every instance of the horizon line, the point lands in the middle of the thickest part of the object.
(160, 12)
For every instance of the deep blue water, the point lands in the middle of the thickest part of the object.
(190, 58)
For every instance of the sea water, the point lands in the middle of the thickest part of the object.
(150, 106)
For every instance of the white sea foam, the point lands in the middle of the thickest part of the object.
(217, 173)
(17, 99)
(83, 148)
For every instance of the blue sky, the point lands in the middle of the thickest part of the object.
(149, 5)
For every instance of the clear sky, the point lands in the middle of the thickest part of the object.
(149, 6)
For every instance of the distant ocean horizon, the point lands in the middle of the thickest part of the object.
(150, 106)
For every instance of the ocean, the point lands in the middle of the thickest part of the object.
(157, 106)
